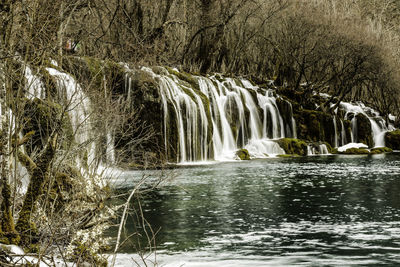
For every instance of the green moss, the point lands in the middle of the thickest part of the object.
(44, 117)
(356, 151)
(288, 156)
(380, 150)
(329, 147)
(243, 154)
(314, 125)
(293, 146)
(96, 69)
(8, 234)
(185, 77)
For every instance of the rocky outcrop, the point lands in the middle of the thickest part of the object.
(293, 146)
(364, 132)
(315, 126)
(392, 139)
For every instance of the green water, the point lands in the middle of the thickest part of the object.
(311, 211)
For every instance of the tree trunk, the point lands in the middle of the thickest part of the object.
(39, 172)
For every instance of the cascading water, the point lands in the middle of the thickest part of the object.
(78, 109)
(317, 149)
(323, 149)
(220, 115)
(378, 124)
(34, 86)
(336, 131)
(343, 133)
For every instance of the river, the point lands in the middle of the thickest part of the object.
(306, 211)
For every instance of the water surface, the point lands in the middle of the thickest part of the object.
(309, 211)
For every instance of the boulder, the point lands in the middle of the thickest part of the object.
(392, 139)
(243, 154)
(380, 150)
(364, 131)
(293, 146)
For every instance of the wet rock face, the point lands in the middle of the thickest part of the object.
(42, 117)
(286, 111)
(380, 150)
(315, 126)
(392, 139)
(146, 103)
(356, 151)
(293, 146)
(364, 132)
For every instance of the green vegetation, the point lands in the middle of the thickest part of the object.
(243, 154)
(356, 151)
(293, 146)
(380, 150)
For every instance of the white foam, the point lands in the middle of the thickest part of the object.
(352, 145)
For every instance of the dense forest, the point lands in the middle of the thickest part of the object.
(349, 50)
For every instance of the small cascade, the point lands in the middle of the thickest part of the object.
(378, 124)
(263, 148)
(294, 127)
(218, 116)
(78, 110)
(343, 133)
(310, 150)
(317, 149)
(33, 86)
(336, 131)
(270, 111)
(323, 149)
(354, 130)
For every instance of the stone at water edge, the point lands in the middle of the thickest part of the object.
(380, 150)
(293, 146)
(243, 154)
(392, 139)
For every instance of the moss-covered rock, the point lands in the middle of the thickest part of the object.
(380, 150)
(43, 117)
(185, 77)
(356, 151)
(293, 146)
(364, 132)
(392, 139)
(243, 154)
(288, 156)
(8, 234)
(314, 126)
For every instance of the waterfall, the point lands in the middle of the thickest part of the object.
(323, 149)
(336, 131)
(217, 116)
(294, 127)
(78, 109)
(310, 150)
(317, 149)
(378, 130)
(33, 86)
(343, 133)
(354, 130)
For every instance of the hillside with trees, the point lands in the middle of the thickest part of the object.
(348, 50)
